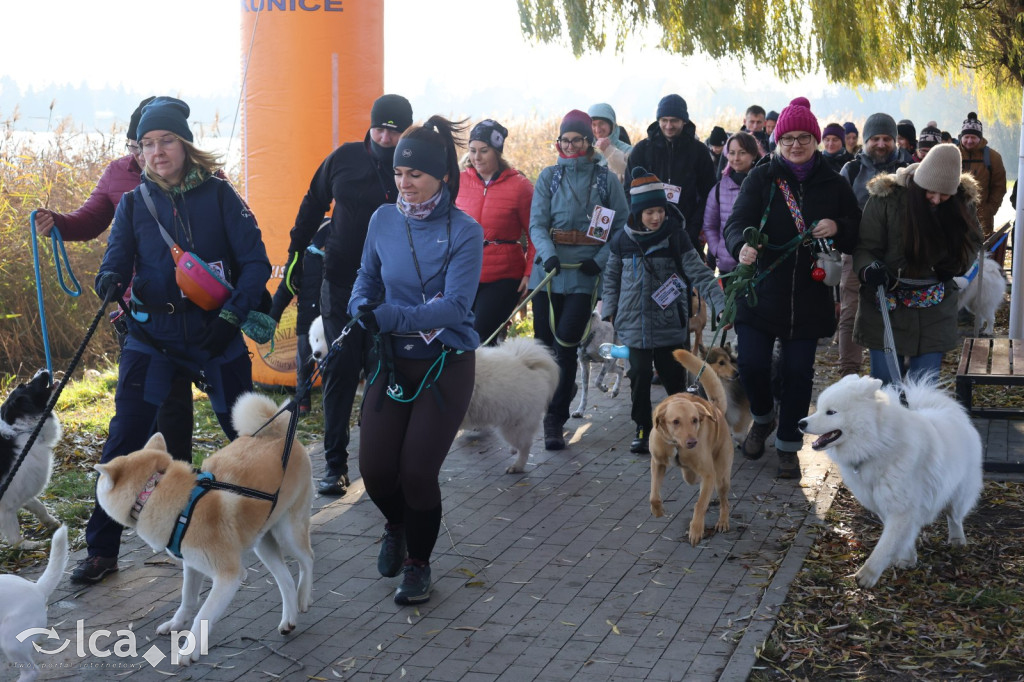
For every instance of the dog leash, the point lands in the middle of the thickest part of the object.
(522, 304)
(891, 360)
(60, 255)
(56, 394)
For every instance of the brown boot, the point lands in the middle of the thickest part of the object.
(753, 445)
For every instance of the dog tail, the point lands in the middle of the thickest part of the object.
(252, 411)
(537, 357)
(51, 577)
(708, 379)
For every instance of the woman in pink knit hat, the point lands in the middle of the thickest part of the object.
(795, 193)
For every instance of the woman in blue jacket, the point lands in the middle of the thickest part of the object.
(414, 292)
(167, 332)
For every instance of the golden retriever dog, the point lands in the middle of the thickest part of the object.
(148, 491)
(692, 432)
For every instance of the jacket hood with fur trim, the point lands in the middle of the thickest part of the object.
(885, 184)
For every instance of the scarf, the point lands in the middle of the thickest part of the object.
(801, 170)
(419, 211)
(737, 176)
(195, 177)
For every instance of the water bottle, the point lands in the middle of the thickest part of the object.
(611, 350)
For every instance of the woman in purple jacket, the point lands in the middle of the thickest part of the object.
(741, 152)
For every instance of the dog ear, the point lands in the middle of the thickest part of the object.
(156, 442)
(659, 415)
(706, 412)
(104, 470)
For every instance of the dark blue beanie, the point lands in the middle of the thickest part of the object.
(674, 106)
(165, 113)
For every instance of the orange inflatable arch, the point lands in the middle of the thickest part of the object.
(311, 71)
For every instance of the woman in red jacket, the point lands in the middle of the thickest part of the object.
(498, 197)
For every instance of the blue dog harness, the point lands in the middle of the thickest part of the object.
(185, 517)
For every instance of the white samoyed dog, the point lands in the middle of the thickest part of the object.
(906, 465)
(984, 294)
(514, 383)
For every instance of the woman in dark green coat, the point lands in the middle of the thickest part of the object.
(919, 230)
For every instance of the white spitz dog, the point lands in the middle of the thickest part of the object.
(514, 383)
(984, 294)
(906, 465)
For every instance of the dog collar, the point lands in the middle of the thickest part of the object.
(143, 497)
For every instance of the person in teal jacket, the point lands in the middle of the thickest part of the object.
(571, 236)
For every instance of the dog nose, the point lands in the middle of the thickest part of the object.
(691, 443)
(802, 424)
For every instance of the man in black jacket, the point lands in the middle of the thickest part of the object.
(357, 177)
(672, 152)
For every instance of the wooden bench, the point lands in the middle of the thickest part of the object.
(984, 361)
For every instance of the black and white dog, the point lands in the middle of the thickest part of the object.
(19, 415)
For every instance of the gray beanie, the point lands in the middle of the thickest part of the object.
(879, 124)
(940, 170)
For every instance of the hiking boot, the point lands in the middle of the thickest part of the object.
(93, 569)
(553, 438)
(639, 446)
(415, 587)
(789, 465)
(333, 486)
(753, 444)
(392, 551)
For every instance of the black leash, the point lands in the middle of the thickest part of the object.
(52, 402)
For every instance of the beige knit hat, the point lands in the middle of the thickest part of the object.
(940, 170)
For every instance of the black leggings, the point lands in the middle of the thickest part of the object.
(403, 445)
(572, 313)
(494, 302)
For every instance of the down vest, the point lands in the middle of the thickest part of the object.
(503, 209)
(634, 273)
(791, 305)
(916, 331)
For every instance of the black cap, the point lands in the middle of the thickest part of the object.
(717, 137)
(391, 111)
(133, 122)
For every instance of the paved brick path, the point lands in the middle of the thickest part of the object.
(560, 573)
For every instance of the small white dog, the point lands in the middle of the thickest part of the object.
(906, 465)
(19, 415)
(24, 607)
(514, 383)
(984, 294)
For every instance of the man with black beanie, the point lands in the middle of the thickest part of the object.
(357, 178)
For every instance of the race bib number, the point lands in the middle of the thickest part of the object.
(672, 193)
(669, 291)
(601, 223)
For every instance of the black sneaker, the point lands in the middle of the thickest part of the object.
(334, 486)
(553, 438)
(789, 465)
(93, 569)
(415, 587)
(392, 551)
(753, 445)
(640, 444)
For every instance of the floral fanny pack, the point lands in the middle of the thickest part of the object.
(924, 297)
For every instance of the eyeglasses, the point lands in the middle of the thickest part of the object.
(133, 148)
(788, 141)
(571, 141)
(164, 142)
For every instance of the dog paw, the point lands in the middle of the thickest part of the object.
(615, 393)
(657, 509)
(285, 627)
(577, 415)
(515, 469)
(722, 525)
(167, 627)
(696, 534)
(867, 577)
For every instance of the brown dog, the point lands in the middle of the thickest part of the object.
(698, 319)
(693, 432)
(722, 363)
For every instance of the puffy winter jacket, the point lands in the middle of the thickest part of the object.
(635, 271)
(683, 161)
(915, 330)
(719, 205)
(94, 216)
(570, 208)
(503, 209)
(991, 181)
(791, 305)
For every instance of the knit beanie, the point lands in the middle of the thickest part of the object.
(717, 136)
(929, 136)
(391, 111)
(674, 106)
(489, 132)
(849, 127)
(834, 129)
(940, 170)
(133, 122)
(972, 126)
(165, 113)
(797, 116)
(907, 131)
(772, 116)
(577, 121)
(880, 124)
(645, 191)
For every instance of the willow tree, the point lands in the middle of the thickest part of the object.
(853, 42)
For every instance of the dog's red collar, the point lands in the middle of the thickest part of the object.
(143, 497)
